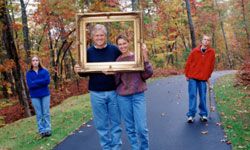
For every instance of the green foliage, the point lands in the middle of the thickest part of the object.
(233, 105)
(158, 62)
(67, 117)
(146, 19)
(179, 64)
(186, 53)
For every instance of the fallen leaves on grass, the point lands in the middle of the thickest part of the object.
(233, 118)
(241, 147)
(13, 137)
(242, 111)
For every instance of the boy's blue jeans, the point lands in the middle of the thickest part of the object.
(133, 111)
(42, 109)
(194, 86)
(107, 118)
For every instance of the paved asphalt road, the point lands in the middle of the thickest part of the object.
(167, 104)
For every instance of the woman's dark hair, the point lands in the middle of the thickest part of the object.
(121, 37)
(39, 60)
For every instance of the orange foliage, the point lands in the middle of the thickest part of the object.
(243, 75)
(50, 11)
(7, 65)
(112, 3)
(17, 26)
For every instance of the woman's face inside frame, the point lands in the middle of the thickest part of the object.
(123, 45)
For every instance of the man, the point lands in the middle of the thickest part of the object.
(102, 91)
(199, 67)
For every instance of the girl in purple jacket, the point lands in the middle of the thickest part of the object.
(131, 98)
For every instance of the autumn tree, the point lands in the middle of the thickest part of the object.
(244, 10)
(55, 21)
(240, 20)
(9, 46)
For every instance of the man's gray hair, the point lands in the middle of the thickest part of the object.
(99, 27)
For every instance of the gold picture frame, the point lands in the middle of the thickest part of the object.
(83, 19)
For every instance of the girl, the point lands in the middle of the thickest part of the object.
(131, 98)
(38, 79)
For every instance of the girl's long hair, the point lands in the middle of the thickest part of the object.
(39, 60)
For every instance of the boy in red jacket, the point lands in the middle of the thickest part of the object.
(199, 67)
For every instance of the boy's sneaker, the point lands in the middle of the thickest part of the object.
(190, 119)
(203, 119)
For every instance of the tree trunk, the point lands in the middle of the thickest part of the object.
(5, 90)
(9, 45)
(170, 55)
(213, 39)
(230, 64)
(245, 24)
(26, 41)
(52, 60)
(191, 25)
(67, 65)
(41, 39)
(73, 61)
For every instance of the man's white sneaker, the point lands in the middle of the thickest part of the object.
(203, 118)
(190, 119)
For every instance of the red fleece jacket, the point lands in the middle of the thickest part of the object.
(200, 65)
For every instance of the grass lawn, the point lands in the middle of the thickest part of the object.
(233, 104)
(65, 118)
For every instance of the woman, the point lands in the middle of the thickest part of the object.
(131, 98)
(38, 79)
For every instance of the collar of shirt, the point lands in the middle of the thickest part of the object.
(101, 48)
(203, 50)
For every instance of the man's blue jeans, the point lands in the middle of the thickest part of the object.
(133, 111)
(42, 109)
(193, 86)
(107, 118)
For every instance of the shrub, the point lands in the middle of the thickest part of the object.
(158, 62)
(243, 75)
